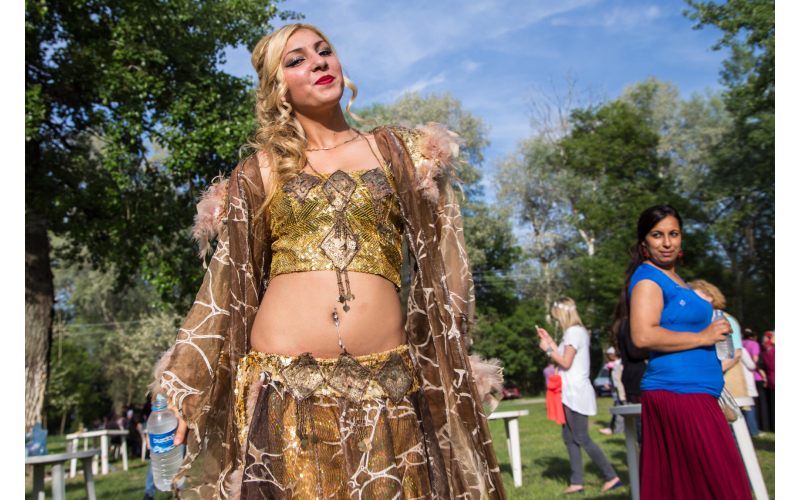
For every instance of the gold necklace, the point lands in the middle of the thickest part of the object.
(334, 147)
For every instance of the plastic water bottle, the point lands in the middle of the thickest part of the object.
(724, 347)
(166, 457)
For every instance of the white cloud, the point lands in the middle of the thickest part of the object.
(616, 18)
(424, 83)
(389, 38)
(470, 66)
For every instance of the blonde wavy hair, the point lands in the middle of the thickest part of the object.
(565, 312)
(718, 298)
(279, 134)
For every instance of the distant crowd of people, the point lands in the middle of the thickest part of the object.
(663, 356)
(133, 420)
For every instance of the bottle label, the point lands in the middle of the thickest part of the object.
(162, 443)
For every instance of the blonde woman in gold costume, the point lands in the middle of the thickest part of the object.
(294, 375)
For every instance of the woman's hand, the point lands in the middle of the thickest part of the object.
(545, 341)
(715, 332)
(180, 432)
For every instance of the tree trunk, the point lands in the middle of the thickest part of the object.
(38, 314)
(63, 422)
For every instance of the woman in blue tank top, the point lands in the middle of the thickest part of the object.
(688, 451)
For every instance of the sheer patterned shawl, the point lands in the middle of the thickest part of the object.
(200, 370)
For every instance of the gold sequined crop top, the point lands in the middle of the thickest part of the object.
(340, 221)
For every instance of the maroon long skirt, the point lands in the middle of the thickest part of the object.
(688, 450)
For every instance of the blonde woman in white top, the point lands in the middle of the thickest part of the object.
(577, 396)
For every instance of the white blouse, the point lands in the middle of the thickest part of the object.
(577, 392)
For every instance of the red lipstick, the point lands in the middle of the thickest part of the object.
(325, 80)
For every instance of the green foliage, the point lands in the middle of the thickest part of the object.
(490, 243)
(106, 341)
(739, 192)
(748, 28)
(581, 196)
(73, 386)
(107, 82)
(545, 463)
(412, 109)
(511, 337)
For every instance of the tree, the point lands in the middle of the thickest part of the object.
(512, 338)
(740, 190)
(104, 81)
(487, 231)
(532, 185)
(108, 339)
(614, 172)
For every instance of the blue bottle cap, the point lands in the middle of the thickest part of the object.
(160, 403)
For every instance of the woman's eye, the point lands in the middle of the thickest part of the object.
(325, 52)
(294, 62)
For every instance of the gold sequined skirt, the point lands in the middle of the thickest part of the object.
(346, 428)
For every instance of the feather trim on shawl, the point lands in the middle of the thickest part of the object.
(488, 376)
(210, 216)
(439, 147)
(158, 372)
(233, 484)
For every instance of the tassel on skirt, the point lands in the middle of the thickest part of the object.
(304, 439)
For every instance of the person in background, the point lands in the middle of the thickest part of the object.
(634, 359)
(769, 364)
(749, 412)
(767, 342)
(149, 482)
(134, 438)
(549, 370)
(616, 425)
(750, 344)
(577, 393)
(733, 369)
(688, 450)
(112, 423)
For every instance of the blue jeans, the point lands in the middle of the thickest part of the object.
(149, 483)
(750, 418)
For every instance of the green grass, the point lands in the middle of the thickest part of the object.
(545, 465)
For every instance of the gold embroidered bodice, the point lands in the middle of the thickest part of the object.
(305, 236)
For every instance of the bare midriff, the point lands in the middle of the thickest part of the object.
(296, 316)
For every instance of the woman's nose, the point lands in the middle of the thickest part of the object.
(319, 63)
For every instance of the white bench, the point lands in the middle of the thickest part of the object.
(511, 421)
(103, 436)
(57, 471)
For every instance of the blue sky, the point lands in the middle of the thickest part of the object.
(492, 54)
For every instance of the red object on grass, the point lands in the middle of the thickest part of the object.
(555, 410)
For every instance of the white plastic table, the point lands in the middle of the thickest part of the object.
(510, 419)
(629, 413)
(57, 471)
(103, 435)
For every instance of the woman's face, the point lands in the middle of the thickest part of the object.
(704, 296)
(663, 242)
(312, 72)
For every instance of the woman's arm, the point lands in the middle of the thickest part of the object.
(564, 361)
(647, 305)
(748, 361)
(546, 342)
(727, 364)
